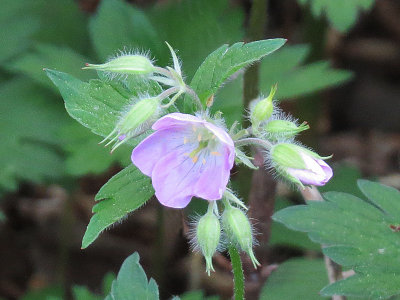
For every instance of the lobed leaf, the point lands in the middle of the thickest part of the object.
(132, 283)
(358, 234)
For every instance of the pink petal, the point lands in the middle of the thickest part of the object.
(176, 119)
(213, 180)
(174, 178)
(160, 143)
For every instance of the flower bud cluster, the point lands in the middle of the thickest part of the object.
(275, 132)
(214, 233)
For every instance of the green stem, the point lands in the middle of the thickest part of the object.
(238, 277)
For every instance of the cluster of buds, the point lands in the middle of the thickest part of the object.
(275, 132)
(143, 111)
(215, 233)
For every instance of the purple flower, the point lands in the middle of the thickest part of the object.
(185, 157)
(316, 172)
(300, 165)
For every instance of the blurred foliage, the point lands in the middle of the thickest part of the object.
(342, 14)
(358, 234)
(57, 35)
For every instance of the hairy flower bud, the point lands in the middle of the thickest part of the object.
(126, 64)
(238, 230)
(284, 129)
(263, 109)
(208, 234)
(134, 119)
(299, 165)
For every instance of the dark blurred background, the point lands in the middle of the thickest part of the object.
(340, 71)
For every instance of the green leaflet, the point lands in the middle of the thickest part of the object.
(225, 61)
(132, 283)
(358, 235)
(122, 194)
(342, 14)
(96, 104)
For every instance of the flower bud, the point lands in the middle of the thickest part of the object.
(300, 165)
(208, 234)
(238, 230)
(135, 118)
(263, 109)
(126, 64)
(284, 129)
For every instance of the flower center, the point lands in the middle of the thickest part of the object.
(205, 139)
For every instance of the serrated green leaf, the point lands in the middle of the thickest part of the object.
(118, 25)
(29, 148)
(358, 234)
(96, 104)
(132, 283)
(284, 68)
(225, 61)
(42, 56)
(122, 194)
(296, 279)
(342, 14)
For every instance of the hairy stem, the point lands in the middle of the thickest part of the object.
(253, 141)
(238, 277)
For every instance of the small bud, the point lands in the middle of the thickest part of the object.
(238, 230)
(134, 119)
(208, 234)
(263, 109)
(126, 64)
(300, 165)
(284, 128)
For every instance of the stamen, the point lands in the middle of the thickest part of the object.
(215, 153)
(199, 137)
(185, 140)
(194, 159)
(204, 161)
